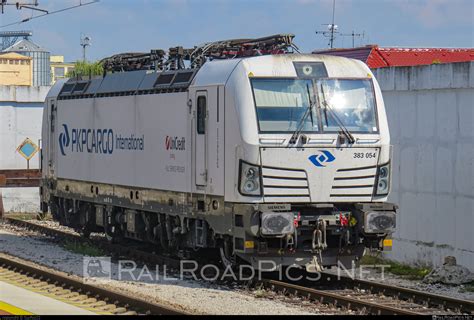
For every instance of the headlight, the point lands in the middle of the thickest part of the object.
(380, 222)
(250, 186)
(249, 180)
(383, 172)
(277, 223)
(383, 181)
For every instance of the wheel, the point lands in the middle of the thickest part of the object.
(113, 234)
(53, 207)
(85, 232)
(227, 255)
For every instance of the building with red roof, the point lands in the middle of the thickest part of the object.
(377, 57)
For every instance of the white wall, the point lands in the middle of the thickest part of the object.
(21, 110)
(431, 114)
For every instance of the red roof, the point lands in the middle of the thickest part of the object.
(376, 57)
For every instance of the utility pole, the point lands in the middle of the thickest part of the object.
(85, 42)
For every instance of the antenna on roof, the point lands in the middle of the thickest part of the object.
(332, 28)
(353, 35)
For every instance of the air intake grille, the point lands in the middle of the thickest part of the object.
(354, 184)
(285, 185)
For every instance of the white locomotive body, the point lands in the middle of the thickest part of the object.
(280, 158)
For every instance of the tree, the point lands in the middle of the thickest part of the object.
(85, 69)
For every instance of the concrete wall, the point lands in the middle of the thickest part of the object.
(21, 111)
(431, 114)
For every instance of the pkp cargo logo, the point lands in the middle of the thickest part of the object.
(320, 159)
(99, 141)
(175, 143)
(64, 140)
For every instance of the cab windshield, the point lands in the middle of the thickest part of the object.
(352, 101)
(282, 103)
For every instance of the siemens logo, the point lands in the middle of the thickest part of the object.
(97, 141)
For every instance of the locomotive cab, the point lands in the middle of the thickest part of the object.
(312, 170)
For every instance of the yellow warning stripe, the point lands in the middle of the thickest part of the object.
(13, 310)
(53, 296)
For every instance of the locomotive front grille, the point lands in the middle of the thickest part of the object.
(285, 185)
(355, 184)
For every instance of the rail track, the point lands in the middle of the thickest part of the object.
(430, 302)
(76, 290)
(361, 296)
(393, 301)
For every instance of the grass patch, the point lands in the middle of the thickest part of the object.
(44, 216)
(468, 287)
(83, 248)
(30, 216)
(21, 216)
(396, 268)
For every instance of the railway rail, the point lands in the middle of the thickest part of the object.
(84, 293)
(365, 297)
(428, 300)
(394, 301)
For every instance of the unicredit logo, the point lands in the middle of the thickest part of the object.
(175, 143)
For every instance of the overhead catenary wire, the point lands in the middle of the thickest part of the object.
(49, 13)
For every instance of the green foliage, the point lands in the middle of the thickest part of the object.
(85, 69)
(406, 271)
(469, 287)
(41, 216)
(83, 248)
(21, 216)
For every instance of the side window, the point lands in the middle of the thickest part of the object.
(52, 116)
(201, 115)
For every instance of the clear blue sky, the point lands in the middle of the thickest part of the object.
(139, 25)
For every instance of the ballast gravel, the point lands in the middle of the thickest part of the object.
(187, 295)
(375, 273)
(367, 273)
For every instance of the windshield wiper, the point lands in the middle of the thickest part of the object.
(299, 127)
(339, 122)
